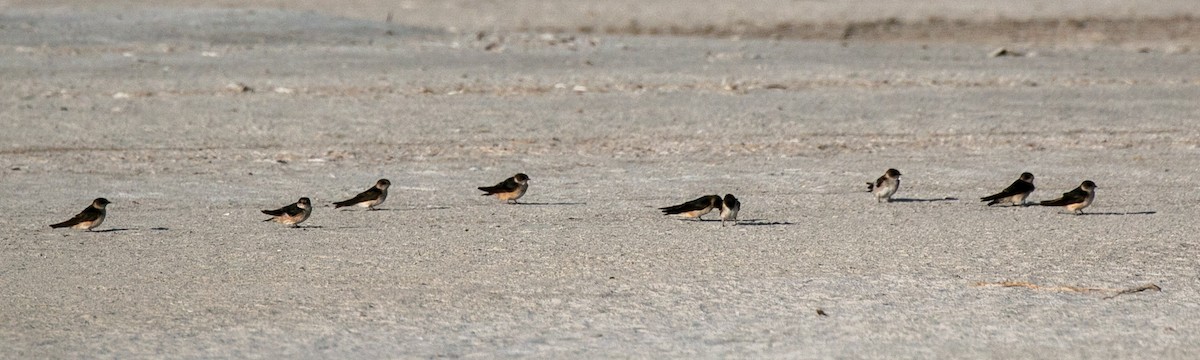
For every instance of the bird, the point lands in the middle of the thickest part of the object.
(1077, 199)
(1014, 194)
(694, 209)
(885, 186)
(729, 209)
(368, 199)
(89, 218)
(510, 189)
(292, 214)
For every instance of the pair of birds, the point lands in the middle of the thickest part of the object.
(295, 213)
(508, 190)
(1075, 200)
(1015, 194)
(695, 209)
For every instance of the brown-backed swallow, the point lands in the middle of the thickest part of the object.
(1075, 200)
(510, 189)
(370, 198)
(695, 208)
(89, 218)
(292, 214)
(729, 209)
(885, 186)
(1014, 194)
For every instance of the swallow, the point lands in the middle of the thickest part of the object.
(885, 186)
(1014, 194)
(510, 189)
(1075, 200)
(695, 208)
(89, 218)
(729, 209)
(368, 199)
(292, 214)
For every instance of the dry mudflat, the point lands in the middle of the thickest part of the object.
(192, 119)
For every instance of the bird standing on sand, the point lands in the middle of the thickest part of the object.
(1014, 194)
(729, 209)
(89, 218)
(1075, 200)
(694, 209)
(292, 214)
(510, 189)
(885, 186)
(370, 198)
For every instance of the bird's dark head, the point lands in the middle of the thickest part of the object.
(521, 177)
(892, 173)
(1088, 185)
(1027, 177)
(729, 199)
(100, 202)
(383, 184)
(304, 202)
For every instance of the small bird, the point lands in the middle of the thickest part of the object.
(1075, 200)
(89, 218)
(292, 214)
(885, 186)
(1014, 194)
(729, 209)
(510, 189)
(370, 198)
(694, 209)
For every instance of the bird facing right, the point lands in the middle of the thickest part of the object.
(510, 189)
(89, 218)
(694, 209)
(1077, 199)
(885, 186)
(369, 198)
(1014, 194)
(293, 214)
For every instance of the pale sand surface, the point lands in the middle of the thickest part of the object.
(135, 106)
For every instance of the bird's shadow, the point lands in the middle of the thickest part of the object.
(114, 230)
(1121, 213)
(909, 200)
(550, 203)
(406, 209)
(761, 222)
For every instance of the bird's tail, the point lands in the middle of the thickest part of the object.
(870, 186)
(60, 225)
(1057, 202)
(671, 210)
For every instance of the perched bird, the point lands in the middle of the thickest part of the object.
(292, 214)
(1075, 200)
(885, 186)
(510, 189)
(729, 209)
(1014, 194)
(89, 218)
(695, 208)
(370, 198)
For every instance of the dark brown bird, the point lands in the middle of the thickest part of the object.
(1014, 194)
(694, 209)
(292, 214)
(370, 198)
(89, 218)
(510, 189)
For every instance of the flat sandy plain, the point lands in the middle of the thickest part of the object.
(194, 117)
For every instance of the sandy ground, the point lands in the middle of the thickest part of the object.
(194, 118)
